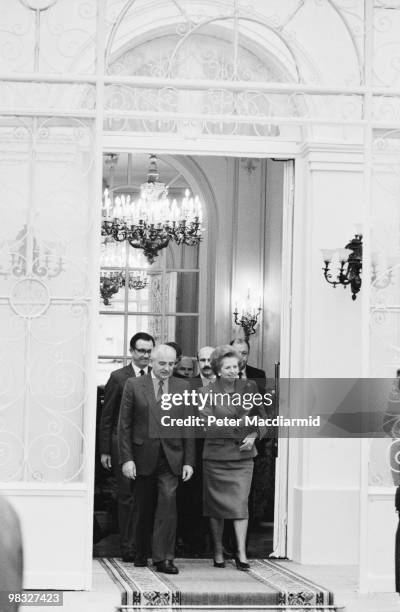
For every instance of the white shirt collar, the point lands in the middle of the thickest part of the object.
(137, 370)
(156, 383)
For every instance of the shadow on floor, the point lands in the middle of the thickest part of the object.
(259, 542)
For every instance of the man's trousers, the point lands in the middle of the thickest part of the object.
(125, 487)
(155, 496)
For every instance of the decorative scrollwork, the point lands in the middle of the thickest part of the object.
(88, 9)
(29, 298)
(46, 296)
(11, 454)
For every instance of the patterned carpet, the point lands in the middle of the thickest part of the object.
(198, 583)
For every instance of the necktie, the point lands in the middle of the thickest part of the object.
(141, 372)
(240, 374)
(160, 390)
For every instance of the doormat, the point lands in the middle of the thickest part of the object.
(198, 583)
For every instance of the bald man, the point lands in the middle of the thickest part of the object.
(206, 373)
(154, 462)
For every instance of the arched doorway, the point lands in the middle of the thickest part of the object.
(226, 187)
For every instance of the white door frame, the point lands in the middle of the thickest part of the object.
(220, 146)
(280, 542)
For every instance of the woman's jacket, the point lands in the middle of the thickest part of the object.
(222, 442)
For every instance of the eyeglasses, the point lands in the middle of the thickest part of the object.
(143, 351)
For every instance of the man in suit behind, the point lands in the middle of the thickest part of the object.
(185, 368)
(141, 345)
(153, 461)
(246, 371)
(206, 374)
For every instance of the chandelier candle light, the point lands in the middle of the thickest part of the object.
(151, 222)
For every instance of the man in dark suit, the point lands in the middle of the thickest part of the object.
(141, 345)
(154, 461)
(246, 371)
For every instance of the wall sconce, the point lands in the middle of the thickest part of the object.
(350, 265)
(247, 318)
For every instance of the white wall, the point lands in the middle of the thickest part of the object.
(324, 474)
(379, 517)
(56, 533)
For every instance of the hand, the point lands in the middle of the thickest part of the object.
(187, 472)
(129, 469)
(106, 461)
(247, 444)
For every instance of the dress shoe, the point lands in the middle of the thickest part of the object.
(241, 565)
(140, 562)
(167, 567)
(219, 563)
(128, 557)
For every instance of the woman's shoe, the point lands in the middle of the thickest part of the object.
(240, 565)
(219, 564)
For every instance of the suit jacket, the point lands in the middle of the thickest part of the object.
(139, 421)
(195, 382)
(112, 401)
(258, 376)
(223, 443)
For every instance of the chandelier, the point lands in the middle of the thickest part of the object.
(152, 221)
(112, 282)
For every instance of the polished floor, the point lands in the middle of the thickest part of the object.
(342, 580)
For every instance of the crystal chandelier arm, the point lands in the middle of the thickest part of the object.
(151, 222)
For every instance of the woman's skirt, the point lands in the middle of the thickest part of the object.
(226, 488)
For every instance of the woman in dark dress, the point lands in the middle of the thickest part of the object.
(229, 451)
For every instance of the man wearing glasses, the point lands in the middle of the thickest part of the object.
(141, 345)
